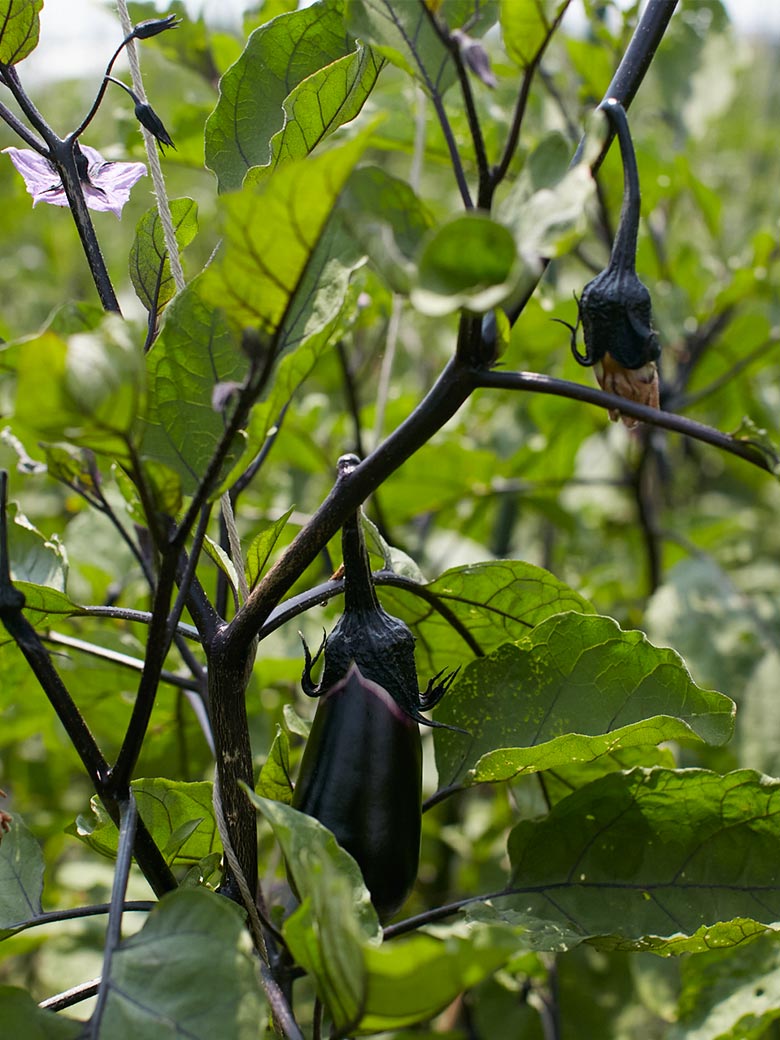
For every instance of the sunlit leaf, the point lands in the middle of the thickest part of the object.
(395, 997)
(195, 351)
(730, 994)
(574, 688)
(19, 28)
(470, 262)
(478, 607)
(272, 231)
(274, 781)
(178, 815)
(323, 102)
(335, 919)
(277, 57)
(262, 546)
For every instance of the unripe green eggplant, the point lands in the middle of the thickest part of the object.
(361, 772)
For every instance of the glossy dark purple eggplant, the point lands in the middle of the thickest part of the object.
(361, 773)
(361, 776)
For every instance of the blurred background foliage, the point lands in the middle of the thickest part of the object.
(661, 533)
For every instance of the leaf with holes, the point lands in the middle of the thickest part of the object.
(471, 610)
(574, 688)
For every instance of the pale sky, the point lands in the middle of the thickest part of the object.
(76, 34)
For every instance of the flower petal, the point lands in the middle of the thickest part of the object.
(107, 190)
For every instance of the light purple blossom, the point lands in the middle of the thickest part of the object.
(107, 187)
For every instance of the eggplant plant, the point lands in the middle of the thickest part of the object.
(372, 212)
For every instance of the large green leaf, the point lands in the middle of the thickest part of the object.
(477, 608)
(469, 262)
(196, 351)
(150, 265)
(667, 860)
(448, 966)
(278, 272)
(178, 815)
(387, 220)
(574, 688)
(323, 102)
(19, 28)
(188, 972)
(335, 920)
(23, 1018)
(277, 57)
(21, 877)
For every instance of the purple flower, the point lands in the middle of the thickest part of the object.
(106, 185)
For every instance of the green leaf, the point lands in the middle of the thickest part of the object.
(19, 28)
(266, 275)
(23, 1018)
(470, 262)
(262, 546)
(730, 994)
(277, 57)
(192, 934)
(21, 877)
(526, 24)
(274, 780)
(150, 265)
(574, 688)
(396, 997)
(41, 599)
(323, 102)
(87, 390)
(387, 220)
(667, 860)
(546, 208)
(195, 351)
(222, 560)
(178, 815)
(476, 608)
(329, 930)
(35, 559)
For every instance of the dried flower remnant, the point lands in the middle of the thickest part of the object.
(106, 184)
